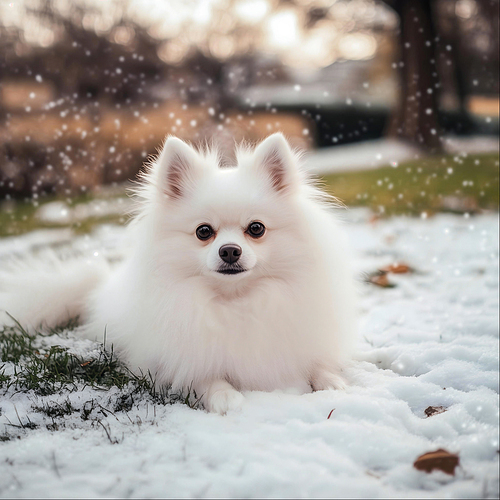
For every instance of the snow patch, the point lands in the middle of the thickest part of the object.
(431, 340)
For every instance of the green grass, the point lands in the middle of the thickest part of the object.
(52, 369)
(19, 216)
(48, 373)
(436, 184)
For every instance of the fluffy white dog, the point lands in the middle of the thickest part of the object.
(239, 279)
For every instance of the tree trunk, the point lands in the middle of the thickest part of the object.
(415, 118)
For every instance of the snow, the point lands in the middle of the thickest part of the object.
(432, 340)
(359, 156)
(381, 152)
(33, 241)
(59, 212)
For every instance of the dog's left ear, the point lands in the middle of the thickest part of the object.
(276, 159)
(177, 168)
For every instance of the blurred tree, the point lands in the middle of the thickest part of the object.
(83, 63)
(415, 118)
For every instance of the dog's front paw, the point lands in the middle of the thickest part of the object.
(225, 400)
(219, 396)
(325, 380)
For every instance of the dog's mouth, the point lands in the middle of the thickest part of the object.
(231, 270)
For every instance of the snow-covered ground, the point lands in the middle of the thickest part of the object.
(382, 152)
(432, 340)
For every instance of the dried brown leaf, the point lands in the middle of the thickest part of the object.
(381, 279)
(437, 460)
(434, 410)
(397, 268)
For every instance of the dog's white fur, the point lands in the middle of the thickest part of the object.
(289, 320)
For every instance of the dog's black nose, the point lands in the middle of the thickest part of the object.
(230, 253)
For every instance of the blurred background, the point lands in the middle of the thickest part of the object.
(397, 101)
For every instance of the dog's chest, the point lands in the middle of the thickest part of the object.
(255, 341)
(261, 341)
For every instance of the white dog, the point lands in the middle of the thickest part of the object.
(239, 279)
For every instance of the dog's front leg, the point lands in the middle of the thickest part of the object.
(219, 396)
(323, 380)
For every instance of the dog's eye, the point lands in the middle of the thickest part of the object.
(204, 232)
(256, 229)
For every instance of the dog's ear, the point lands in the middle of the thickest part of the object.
(178, 167)
(274, 156)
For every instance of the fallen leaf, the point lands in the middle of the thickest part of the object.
(380, 279)
(397, 268)
(434, 410)
(437, 460)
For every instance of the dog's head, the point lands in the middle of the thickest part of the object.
(228, 223)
